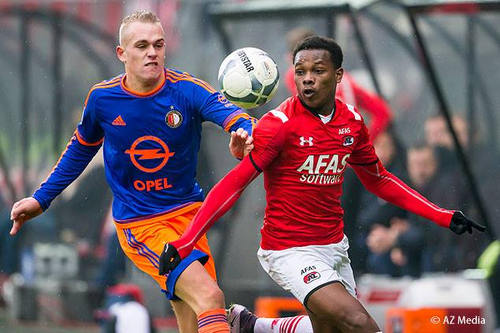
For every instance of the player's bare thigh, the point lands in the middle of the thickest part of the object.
(197, 288)
(345, 313)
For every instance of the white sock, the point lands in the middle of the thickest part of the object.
(300, 324)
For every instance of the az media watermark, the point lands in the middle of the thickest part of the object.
(458, 320)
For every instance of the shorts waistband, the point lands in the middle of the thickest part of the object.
(171, 213)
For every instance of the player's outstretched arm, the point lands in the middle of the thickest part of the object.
(220, 199)
(390, 188)
(22, 211)
(71, 164)
(240, 144)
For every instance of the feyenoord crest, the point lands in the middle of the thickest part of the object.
(173, 118)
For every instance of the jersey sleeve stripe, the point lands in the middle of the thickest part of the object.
(59, 159)
(174, 73)
(97, 86)
(230, 117)
(176, 77)
(205, 85)
(85, 143)
(234, 120)
(104, 83)
(64, 152)
(191, 78)
(408, 190)
(280, 115)
(415, 194)
(357, 116)
(254, 123)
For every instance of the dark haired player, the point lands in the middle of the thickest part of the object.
(303, 147)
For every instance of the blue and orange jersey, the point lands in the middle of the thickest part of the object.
(150, 143)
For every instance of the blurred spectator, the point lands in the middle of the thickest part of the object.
(483, 160)
(125, 311)
(76, 224)
(73, 215)
(441, 250)
(9, 246)
(16, 252)
(348, 90)
(383, 235)
(439, 137)
(113, 263)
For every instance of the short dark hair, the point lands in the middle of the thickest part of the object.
(321, 43)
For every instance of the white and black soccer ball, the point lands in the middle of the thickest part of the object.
(248, 77)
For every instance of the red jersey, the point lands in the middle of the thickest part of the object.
(303, 161)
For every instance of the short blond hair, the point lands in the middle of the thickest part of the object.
(141, 15)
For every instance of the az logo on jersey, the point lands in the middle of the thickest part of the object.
(161, 154)
(311, 277)
(348, 140)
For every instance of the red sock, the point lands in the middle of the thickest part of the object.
(213, 321)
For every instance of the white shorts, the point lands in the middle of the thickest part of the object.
(303, 270)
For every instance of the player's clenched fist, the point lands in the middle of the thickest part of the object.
(461, 223)
(22, 211)
(171, 257)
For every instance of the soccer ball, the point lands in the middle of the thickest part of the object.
(248, 77)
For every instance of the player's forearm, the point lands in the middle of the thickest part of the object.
(220, 199)
(70, 165)
(390, 188)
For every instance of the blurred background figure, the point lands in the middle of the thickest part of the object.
(392, 241)
(483, 157)
(440, 251)
(124, 311)
(439, 138)
(112, 268)
(385, 242)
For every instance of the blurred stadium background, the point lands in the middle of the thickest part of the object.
(425, 57)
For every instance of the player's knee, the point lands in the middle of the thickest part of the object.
(357, 321)
(212, 297)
